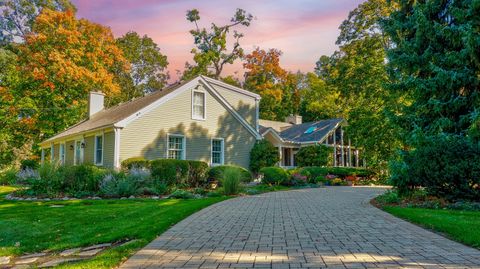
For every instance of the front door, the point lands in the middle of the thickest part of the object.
(287, 158)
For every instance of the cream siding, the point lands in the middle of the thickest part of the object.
(69, 152)
(88, 151)
(147, 136)
(244, 105)
(108, 148)
(56, 152)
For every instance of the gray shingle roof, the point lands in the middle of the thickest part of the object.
(297, 133)
(112, 115)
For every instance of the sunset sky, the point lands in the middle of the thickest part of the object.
(303, 29)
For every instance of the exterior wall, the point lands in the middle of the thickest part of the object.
(89, 149)
(244, 105)
(147, 136)
(108, 148)
(69, 153)
(56, 152)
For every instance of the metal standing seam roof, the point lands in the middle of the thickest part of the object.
(297, 133)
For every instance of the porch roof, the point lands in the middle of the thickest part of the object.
(309, 132)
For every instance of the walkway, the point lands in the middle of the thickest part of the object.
(332, 227)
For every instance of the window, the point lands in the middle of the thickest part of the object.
(61, 154)
(198, 105)
(176, 147)
(217, 151)
(99, 149)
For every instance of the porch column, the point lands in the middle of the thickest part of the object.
(357, 154)
(42, 160)
(349, 153)
(335, 148)
(280, 156)
(343, 148)
(291, 157)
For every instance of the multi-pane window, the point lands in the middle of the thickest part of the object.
(61, 153)
(198, 105)
(176, 147)
(52, 153)
(217, 151)
(99, 149)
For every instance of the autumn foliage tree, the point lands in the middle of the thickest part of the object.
(265, 76)
(61, 61)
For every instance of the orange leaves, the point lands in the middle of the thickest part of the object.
(69, 54)
(264, 73)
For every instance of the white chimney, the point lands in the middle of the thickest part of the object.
(294, 119)
(95, 103)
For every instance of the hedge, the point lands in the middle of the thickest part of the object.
(138, 162)
(274, 175)
(313, 172)
(216, 173)
(180, 172)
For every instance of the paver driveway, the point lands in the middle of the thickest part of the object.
(332, 227)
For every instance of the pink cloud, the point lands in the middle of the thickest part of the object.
(304, 29)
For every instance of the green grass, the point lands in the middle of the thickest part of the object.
(458, 225)
(27, 227)
(262, 188)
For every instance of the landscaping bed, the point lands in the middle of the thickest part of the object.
(457, 220)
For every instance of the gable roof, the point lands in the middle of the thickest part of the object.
(130, 110)
(297, 133)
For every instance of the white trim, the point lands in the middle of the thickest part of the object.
(257, 114)
(52, 152)
(222, 152)
(231, 87)
(60, 157)
(123, 123)
(116, 149)
(204, 104)
(95, 149)
(230, 109)
(184, 145)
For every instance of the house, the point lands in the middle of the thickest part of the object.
(201, 119)
(291, 135)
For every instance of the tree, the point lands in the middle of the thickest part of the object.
(319, 100)
(265, 76)
(263, 154)
(211, 53)
(147, 66)
(436, 61)
(61, 61)
(318, 155)
(18, 16)
(357, 72)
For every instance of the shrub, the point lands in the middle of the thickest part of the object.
(8, 177)
(120, 185)
(213, 194)
(79, 178)
(389, 197)
(231, 181)
(216, 173)
(138, 162)
(263, 154)
(318, 155)
(182, 194)
(172, 172)
(29, 163)
(24, 176)
(447, 166)
(48, 182)
(197, 174)
(338, 182)
(315, 171)
(274, 175)
(296, 179)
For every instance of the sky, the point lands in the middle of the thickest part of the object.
(302, 29)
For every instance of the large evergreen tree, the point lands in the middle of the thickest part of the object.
(436, 60)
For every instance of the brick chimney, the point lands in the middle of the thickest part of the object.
(95, 103)
(294, 119)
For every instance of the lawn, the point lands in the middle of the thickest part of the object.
(27, 227)
(462, 226)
